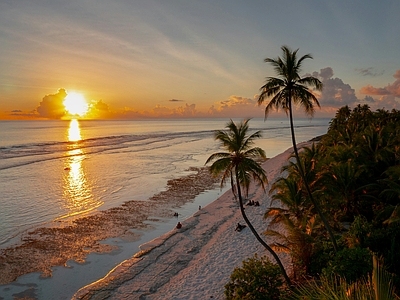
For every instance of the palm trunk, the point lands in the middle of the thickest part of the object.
(287, 279)
(302, 174)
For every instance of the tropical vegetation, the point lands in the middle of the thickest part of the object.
(354, 172)
(376, 286)
(257, 279)
(286, 90)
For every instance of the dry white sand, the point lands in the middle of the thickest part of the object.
(194, 262)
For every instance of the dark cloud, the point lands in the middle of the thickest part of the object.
(52, 106)
(326, 73)
(21, 114)
(369, 72)
(369, 99)
(175, 100)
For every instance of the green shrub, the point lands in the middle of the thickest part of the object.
(350, 263)
(378, 285)
(258, 278)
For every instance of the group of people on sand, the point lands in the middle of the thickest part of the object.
(239, 227)
(252, 202)
(179, 225)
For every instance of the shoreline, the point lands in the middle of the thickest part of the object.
(76, 243)
(196, 259)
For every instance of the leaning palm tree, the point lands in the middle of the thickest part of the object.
(288, 89)
(240, 164)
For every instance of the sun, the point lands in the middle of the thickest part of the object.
(76, 104)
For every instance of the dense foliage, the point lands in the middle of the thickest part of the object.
(377, 286)
(258, 278)
(354, 173)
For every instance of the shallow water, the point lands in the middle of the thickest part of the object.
(56, 169)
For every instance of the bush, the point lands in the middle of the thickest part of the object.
(350, 263)
(258, 278)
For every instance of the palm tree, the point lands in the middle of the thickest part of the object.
(289, 88)
(240, 164)
(298, 220)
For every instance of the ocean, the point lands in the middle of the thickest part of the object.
(56, 170)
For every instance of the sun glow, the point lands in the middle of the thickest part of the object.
(76, 104)
(74, 131)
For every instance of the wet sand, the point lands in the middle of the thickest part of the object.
(56, 244)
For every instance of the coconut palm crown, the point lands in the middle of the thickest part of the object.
(288, 86)
(240, 158)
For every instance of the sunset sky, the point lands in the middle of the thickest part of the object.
(185, 58)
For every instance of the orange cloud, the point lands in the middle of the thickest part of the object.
(391, 89)
(52, 106)
(99, 110)
(179, 112)
(237, 107)
(370, 90)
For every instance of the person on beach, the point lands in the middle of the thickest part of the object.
(239, 227)
(179, 225)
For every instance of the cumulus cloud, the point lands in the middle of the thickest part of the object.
(388, 94)
(392, 89)
(99, 110)
(370, 90)
(52, 106)
(335, 93)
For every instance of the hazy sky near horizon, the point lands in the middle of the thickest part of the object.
(185, 58)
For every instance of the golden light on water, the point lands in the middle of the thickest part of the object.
(77, 192)
(74, 131)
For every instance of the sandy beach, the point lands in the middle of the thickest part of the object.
(194, 262)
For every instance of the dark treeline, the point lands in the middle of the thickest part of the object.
(354, 173)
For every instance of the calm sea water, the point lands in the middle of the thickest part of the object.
(57, 169)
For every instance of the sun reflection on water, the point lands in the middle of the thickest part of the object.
(74, 131)
(77, 192)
